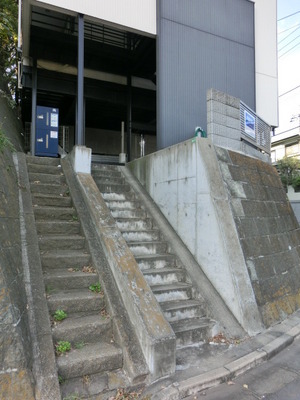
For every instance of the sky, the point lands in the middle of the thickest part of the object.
(288, 65)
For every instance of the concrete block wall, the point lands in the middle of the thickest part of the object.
(224, 124)
(16, 359)
(268, 232)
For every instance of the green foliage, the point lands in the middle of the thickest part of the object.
(79, 345)
(62, 347)
(5, 143)
(59, 315)
(289, 169)
(296, 183)
(95, 288)
(72, 397)
(8, 40)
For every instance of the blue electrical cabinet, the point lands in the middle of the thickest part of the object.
(46, 142)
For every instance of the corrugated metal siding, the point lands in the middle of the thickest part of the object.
(201, 44)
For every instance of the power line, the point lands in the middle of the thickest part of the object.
(289, 43)
(288, 35)
(288, 130)
(287, 29)
(289, 50)
(291, 90)
(297, 12)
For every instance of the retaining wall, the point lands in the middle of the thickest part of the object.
(232, 213)
(16, 359)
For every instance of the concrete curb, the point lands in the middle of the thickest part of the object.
(190, 386)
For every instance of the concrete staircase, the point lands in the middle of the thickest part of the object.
(94, 364)
(168, 279)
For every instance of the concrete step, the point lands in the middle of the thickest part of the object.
(101, 172)
(67, 242)
(104, 167)
(174, 291)
(112, 187)
(43, 160)
(141, 236)
(164, 276)
(134, 224)
(40, 199)
(58, 227)
(55, 213)
(140, 248)
(127, 196)
(75, 301)
(83, 329)
(91, 359)
(108, 180)
(65, 259)
(155, 261)
(53, 179)
(123, 204)
(61, 278)
(49, 189)
(44, 169)
(106, 383)
(192, 330)
(182, 309)
(139, 213)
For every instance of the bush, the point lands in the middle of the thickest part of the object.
(296, 183)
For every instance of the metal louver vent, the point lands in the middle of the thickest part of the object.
(254, 130)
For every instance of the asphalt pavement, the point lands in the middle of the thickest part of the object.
(275, 379)
(265, 366)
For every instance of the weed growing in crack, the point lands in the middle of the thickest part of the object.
(73, 396)
(62, 347)
(79, 345)
(60, 315)
(96, 288)
(61, 380)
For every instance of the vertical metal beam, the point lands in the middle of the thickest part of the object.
(129, 116)
(79, 132)
(33, 108)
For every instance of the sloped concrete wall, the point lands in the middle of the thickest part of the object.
(233, 215)
(15, 354)
(15, 360)
(185, 182)
(268, 232)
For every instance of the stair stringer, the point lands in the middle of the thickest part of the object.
(203, 288)
(143, 351)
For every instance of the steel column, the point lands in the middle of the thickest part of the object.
(79, 132)
(129, 117)
(33, 109)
